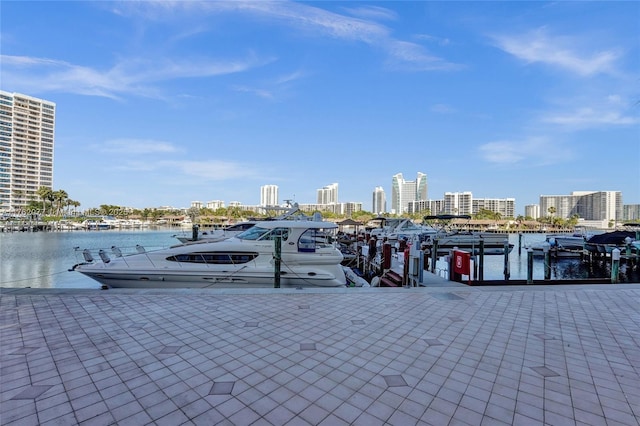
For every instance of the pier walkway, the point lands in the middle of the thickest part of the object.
(444, 354)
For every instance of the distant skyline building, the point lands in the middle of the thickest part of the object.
(458, 203)
(269, 196)
(27, 129)
(631, 212)
(379, 202)
(532, 211)
(505, 207)
(600, 206)
(404, 191)
(215, 204)
(328, 194)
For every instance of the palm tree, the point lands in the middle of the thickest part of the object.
(45, 193)
(60, 196)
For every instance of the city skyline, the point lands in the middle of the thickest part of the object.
(166, 103)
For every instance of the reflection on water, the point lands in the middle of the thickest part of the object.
(43, 259)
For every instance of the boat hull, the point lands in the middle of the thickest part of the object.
(155, 279)
(228, 263)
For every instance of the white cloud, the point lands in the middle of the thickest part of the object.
(569, 53)
(534, 151)
(262, 93)
(373, 12)
(610, 110)
(215, 170)
(442, 108)
(313, 21)
(590, 117)
(203, 170)
(407, 55)
(141, 75)
(137, 146)
(126, 77)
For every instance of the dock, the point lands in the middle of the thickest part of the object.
(443, 353)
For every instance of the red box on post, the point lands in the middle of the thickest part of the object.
(462, 262)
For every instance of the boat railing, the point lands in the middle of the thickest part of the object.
(105, 254)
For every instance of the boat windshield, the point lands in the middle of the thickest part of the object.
(408, 226)
(257, 233)
(312, 239)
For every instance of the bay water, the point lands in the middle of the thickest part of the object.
(43, 259)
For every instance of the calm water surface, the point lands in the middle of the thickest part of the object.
(43, 259)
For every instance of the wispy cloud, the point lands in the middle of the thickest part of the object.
(143, 74)
(411, 56)
(535, 151)
(611, 110)
(591, 117)
(126, 77)
(312, 21)
(568, 53)
(262, 93)
(373, 12)
(213, 170)
(441, 41)
(204, 170)
(441, 108)
(136, 146)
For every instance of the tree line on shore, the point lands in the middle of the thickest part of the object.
(56, 205)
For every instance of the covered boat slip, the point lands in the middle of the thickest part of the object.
(447, 237)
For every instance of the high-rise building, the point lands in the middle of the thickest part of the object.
(379, 203)
(532, 211)
(506, 207)
(404, 191)
(631, 212)
(215, 204)
(269, 195)
(458, 203)
(27, 126)
(600, 206)
(328, 194)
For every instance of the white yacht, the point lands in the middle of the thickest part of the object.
(308, 258)
(218, 234)
(289, 212)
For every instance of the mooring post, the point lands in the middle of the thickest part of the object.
(519, 243)
(277, 261)
(507, 272)
(481, 263)
(615, 265)
(434, 255)
(529, 265)
(547, 260)
(194, 232)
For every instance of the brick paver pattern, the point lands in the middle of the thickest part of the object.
(449, 356)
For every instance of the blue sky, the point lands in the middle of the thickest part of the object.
(164, 103)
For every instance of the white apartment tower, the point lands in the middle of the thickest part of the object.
(328, 194)
(458, 203)
(27, 126)
(532, 211)
(602, 206)
(379, 204)
(404, 191)
(269, 195)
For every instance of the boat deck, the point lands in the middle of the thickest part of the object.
(435, 355)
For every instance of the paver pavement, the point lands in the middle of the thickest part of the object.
(552, 355)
